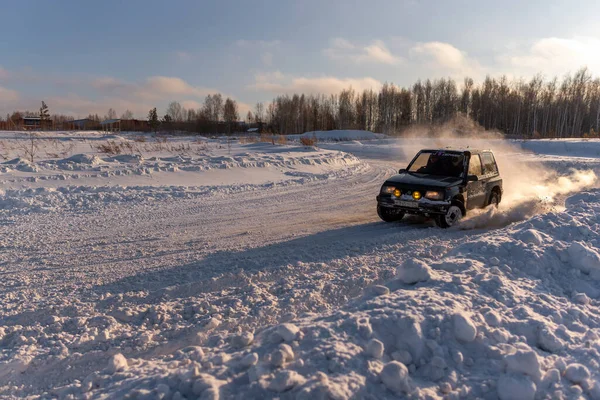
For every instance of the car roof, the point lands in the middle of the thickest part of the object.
(458, 150)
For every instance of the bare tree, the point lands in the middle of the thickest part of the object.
(127, 115)
(191, 115)
(218, 110)
(259, 113)
(230, 113)
(29, 146)
(213, 107)
(175, 111)
(111, 114)
(346, 110)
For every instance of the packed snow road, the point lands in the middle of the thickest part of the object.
(126, 261)
(208, 235)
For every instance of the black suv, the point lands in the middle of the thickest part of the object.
(442, 184)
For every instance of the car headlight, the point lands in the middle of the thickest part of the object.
(433, 195)
(388, 189)
(416, 195)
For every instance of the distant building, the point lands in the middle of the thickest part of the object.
(32, 123)
(29, 123)
(84, 124)
(255, 127)
(119, 125)
(111, 125)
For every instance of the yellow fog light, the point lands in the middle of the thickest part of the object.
(417, 195)
(397, 193)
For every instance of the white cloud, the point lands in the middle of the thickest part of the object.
(76, 105)
(243, 109)
(342, 44)
(8, 95)
(439, 54)
(276, 82)
(441, 59)
(97, 94)
(3, 73)
(154, 87)
(160, 86)
(376, 52)
(191, 104)
(108, 83)
(554, 56)
(269, 76)
(333, 84)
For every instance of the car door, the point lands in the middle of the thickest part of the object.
(476, 190)
(490, 172)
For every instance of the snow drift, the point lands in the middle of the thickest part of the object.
(171, 275)
(511, 313)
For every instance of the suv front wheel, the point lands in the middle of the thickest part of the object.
(389, 215)
(452, 216)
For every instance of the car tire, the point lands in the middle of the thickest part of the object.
(494, 199)
(389, 215)
(452, 217)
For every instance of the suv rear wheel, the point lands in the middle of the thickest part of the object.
(494, 199)
(452, 216)
(388, 214)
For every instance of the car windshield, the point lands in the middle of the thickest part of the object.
(438, 163)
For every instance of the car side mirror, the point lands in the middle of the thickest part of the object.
(472, 178)
(402, 171)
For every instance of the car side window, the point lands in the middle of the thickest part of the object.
(489, 164)
(475, 165)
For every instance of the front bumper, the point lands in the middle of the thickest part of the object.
(424, 206)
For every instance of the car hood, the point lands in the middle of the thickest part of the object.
(424, 180)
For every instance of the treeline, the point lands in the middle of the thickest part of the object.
(534, 108)
(217, 115)
(569, 107)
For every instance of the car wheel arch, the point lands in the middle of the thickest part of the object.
(496, 189)
(460, 200)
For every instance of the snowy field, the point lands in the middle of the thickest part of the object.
(181, 268)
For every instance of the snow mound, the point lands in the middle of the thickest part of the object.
(87, 159)
(505, 324)
(126, 158)
(20, 164)
(516, 387)
(464, 328)
(395, 377)
(413, 271)
(585, 258)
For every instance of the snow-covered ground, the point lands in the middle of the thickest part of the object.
(339, 135)
(201, 268)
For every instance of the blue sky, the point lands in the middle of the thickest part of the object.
(85, 57)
